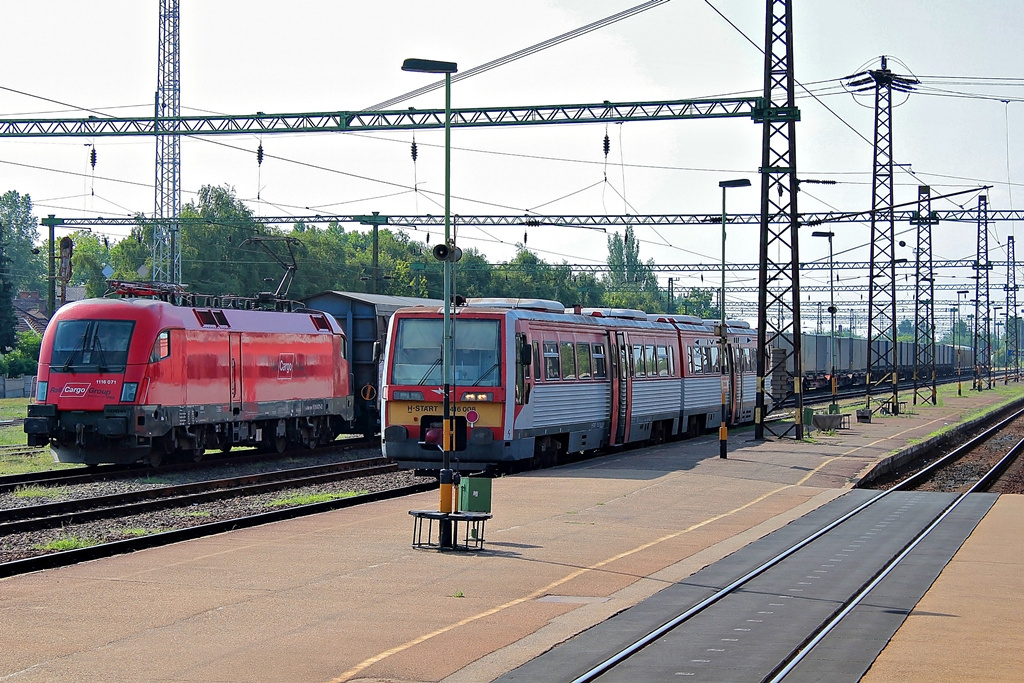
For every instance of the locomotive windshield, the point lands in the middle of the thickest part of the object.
(417, 356)
(97, 345)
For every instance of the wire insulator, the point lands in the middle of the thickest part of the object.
(415, 152)
(524, 237)
(259, 155)
(607, 145)
(92, 158)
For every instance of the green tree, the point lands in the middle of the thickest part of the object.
(905, 331)
(18, 228)
(90, 257)
(23, 359)
(630, 283)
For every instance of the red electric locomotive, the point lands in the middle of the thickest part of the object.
(124, 380)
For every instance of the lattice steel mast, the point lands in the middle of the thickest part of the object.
(982, 328)
(1012, 321)
(924, 304)
(882, 349)
(167, 207)
(779, 277)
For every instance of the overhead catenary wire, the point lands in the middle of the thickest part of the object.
(519, 54)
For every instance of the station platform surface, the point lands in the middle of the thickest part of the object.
(342, 596)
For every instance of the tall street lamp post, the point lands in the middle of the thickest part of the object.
(832, 313)
(956, 349)
(723, 429)
(431, 66)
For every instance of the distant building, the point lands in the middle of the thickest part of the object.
(30, 309)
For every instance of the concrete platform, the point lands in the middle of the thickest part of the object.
(343, 596)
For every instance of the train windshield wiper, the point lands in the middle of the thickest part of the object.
(98, 348)
(429, 370)
(80, 346)
(489, 371)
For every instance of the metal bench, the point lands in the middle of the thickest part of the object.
(473, 536)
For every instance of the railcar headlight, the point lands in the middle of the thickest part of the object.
(41, 392)
(128, 391)
(408, 395)
(478, 396)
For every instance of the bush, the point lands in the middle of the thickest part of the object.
(24, 358)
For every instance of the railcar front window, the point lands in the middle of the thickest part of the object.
(96, 345)
(417, 352)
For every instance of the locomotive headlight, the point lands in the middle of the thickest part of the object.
(128, 391)
(41, 392)
(408, 395)
(478, 396)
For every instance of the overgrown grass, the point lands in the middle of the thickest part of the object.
(11, 408)
(21, 463)
(37, 491)
(138, 531)
(194, 513)
(310, 498)
(67, 543)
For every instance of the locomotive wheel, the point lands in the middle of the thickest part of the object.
(225, 448)
(197, 454)
(155, 458)
(279, 444)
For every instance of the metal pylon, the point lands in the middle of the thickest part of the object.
(778, 301)
(882, 350)
(924, 305)
(1012, 320)
(982, 321)
(167, 206)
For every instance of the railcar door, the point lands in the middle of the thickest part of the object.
(733, 367)
(235, 371)
(621, 393)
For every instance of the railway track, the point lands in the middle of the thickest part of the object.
(175, 513)
(83, 475)
(64, 513)
(905, 519)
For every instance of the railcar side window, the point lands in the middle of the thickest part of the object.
(663, 362)
(583, 364)
(568, 361)
(161, 347)
(536, 360)
(705, 352)
(551, 369)
(600, 372)
(693, 356)
(652, 361)
(639, 368)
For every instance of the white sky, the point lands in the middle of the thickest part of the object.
(321, 55)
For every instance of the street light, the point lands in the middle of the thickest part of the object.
(832, 312)
(431, 66)
(956, 350)
(723, 430)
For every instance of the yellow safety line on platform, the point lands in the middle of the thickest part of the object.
(546, 589)
(867, 445)
(359, 668)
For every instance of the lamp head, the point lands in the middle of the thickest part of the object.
(429, 66)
